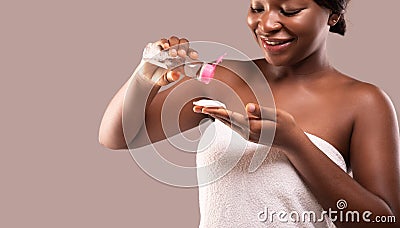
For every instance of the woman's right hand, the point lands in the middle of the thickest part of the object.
(176, 47)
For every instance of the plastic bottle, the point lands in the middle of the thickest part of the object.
(199, 70)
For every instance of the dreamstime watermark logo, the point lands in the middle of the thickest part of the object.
(340, 215)
(341, 204)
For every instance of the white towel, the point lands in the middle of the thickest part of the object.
(238, 198)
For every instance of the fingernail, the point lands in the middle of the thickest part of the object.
(251, 107)
(194, 55)
(204, 111)
(182, 53)
(175, 75)
(173, 52)
(196, 110)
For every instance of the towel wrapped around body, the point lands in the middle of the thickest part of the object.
(274, 195)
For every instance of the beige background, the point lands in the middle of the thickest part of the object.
(61, 62)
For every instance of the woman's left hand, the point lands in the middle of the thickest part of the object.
(261, 125)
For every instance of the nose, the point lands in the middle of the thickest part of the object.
(269, 23)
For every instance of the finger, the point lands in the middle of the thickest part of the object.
(197, 109)
(241, 131)
(173, 52)
(215, 111)
(173, 43)
(193, 54)
(264, 113)
(183, 47)
(163, 43)
(234, 117)
(263, 131)
(172, 76)
(258, 126)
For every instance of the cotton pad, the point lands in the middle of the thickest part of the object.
(209, 103)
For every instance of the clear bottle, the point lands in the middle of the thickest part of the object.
(199, 70)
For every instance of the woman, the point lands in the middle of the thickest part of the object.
(354, 118)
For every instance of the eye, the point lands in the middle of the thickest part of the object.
(256, 9)
(290, 13)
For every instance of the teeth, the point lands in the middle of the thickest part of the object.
(274, 42)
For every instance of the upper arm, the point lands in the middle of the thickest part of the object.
(170, 112)
(374, 148)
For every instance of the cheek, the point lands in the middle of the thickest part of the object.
(312, 30)
(252, 22)
(316, 22)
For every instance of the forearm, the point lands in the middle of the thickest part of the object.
(131, 100)
(329, 184)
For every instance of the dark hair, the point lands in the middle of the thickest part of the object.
(337, 7)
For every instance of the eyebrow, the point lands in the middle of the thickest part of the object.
(280, 1)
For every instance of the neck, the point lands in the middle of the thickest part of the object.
(312, 65)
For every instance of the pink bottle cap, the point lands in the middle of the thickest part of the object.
(208, 70)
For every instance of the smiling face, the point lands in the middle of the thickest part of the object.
(288, 31)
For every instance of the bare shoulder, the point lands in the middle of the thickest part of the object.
(366, 98)
(239, 66)
(235, 72)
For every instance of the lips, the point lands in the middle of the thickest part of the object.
(276, 45)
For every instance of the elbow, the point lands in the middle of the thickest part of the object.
(109, 143)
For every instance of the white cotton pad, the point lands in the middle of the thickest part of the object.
(209, 103)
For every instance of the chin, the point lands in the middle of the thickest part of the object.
(277, 61)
